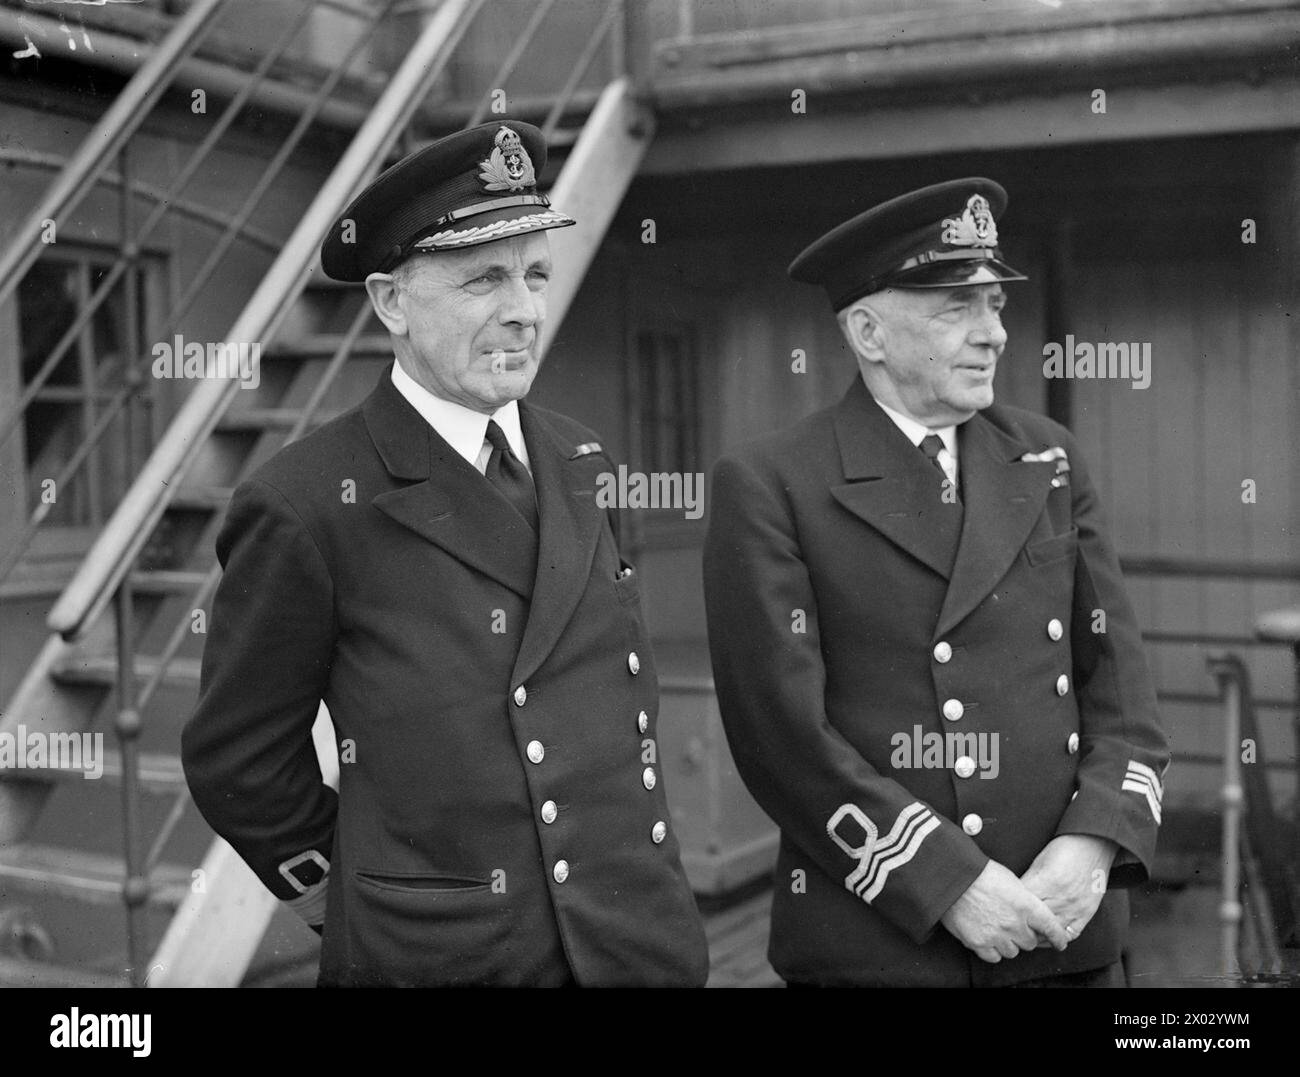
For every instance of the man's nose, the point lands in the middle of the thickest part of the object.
(990, 331)
(519, 303)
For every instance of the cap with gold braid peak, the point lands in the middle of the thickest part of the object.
(937, 237)
(473, 187)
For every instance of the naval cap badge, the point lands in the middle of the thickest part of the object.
(974, 228)
(508, 167)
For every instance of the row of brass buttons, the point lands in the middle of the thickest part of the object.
(536, 752)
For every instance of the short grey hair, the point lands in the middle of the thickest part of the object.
(405, 269)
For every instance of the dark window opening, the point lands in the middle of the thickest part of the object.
(669, 397)
(72, 399)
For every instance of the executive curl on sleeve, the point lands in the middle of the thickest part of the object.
(1122, 749)
(890, 849)
(247, 750)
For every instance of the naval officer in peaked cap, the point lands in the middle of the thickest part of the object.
(962, 750)
(501, 816)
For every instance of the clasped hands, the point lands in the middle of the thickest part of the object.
(999, 915)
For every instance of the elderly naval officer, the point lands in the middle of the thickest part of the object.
(467, 619)
(962, 750)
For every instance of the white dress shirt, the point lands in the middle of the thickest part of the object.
(464, 429)
(916, 432)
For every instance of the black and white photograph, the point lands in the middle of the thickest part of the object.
(743, 494)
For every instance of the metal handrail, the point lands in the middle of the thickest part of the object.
(1253, 846)
(195, 211)
(1222, 568)
(1209, 639)
(273, 168)
(584, 61)
(511, 61)
(124, 536)
(106, 140)
(356, 10)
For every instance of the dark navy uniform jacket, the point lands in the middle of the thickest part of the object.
(495, 703)
(852, 617)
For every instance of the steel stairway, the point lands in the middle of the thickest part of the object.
(123, 654)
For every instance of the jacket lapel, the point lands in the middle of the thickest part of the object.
(447, 501)
(891, 485)
(570, 522)
(1003, 498)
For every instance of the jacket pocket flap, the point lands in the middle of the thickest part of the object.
(420, 881)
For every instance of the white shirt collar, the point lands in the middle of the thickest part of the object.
(916, 432)
(464, 429)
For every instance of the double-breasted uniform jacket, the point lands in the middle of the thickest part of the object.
(912, 685)
(500, 817)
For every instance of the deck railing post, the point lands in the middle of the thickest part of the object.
(135, 883)
(1295, 650)
(1283, 626)
(1227, 671)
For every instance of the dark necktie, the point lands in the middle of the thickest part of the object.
(949, 519)
(932, 445)
(507, 474)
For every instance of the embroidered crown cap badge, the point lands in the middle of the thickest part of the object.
(974, 228)
(508, 167)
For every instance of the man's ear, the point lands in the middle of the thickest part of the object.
(385, 297)
(862, 327)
